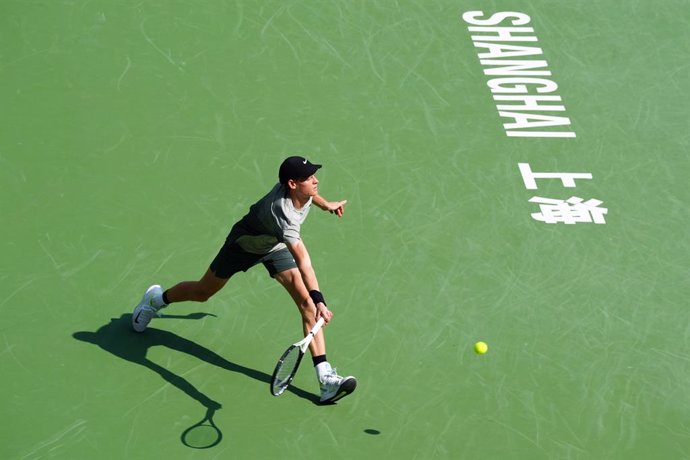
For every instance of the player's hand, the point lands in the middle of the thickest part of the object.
(336, 207)
(322, 311)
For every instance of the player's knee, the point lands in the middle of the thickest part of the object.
(286, 278)
(307, 308)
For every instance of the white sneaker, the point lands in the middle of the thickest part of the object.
(145, 311)
(335, 387)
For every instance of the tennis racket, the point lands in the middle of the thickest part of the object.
(289, 363)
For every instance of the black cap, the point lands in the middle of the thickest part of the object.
(296, 168)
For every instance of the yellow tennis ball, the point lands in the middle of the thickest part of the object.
(481, 348)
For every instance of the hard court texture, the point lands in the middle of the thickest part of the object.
(134, 134)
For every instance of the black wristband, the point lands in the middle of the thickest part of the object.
(317, 297)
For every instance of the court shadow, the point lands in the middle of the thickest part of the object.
(118, 338)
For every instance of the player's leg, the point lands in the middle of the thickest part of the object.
(332, 385)
(230, 260)
(291, 280)
(155, 299)
(196, 291)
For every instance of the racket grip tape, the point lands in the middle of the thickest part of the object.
(317, 326)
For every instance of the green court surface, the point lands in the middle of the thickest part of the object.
(134, 134)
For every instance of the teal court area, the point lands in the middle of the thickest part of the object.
(516, 174)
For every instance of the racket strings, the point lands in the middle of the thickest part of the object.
(285, 370)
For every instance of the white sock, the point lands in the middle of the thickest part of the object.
(322, 369)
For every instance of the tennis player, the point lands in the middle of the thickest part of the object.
(269, 234)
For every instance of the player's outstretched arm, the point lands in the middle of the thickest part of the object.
(303, 261)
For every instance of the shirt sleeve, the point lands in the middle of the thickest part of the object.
(287, 229)
(291, 235)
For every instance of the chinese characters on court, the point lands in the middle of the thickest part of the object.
(570, 211)
(525, 93)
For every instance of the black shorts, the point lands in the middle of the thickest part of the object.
(232, 259)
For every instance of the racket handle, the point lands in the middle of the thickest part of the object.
(317, 326)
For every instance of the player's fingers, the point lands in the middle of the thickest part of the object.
(326, 314)
(325, 318)
(323, 312)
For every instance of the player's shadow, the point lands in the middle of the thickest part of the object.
(118, 338)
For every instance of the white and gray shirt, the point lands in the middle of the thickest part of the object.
(270, 223)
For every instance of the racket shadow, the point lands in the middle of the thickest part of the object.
(118, 339)
(204, 434)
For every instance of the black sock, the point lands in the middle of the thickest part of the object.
(318, 359)
(165, 298)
